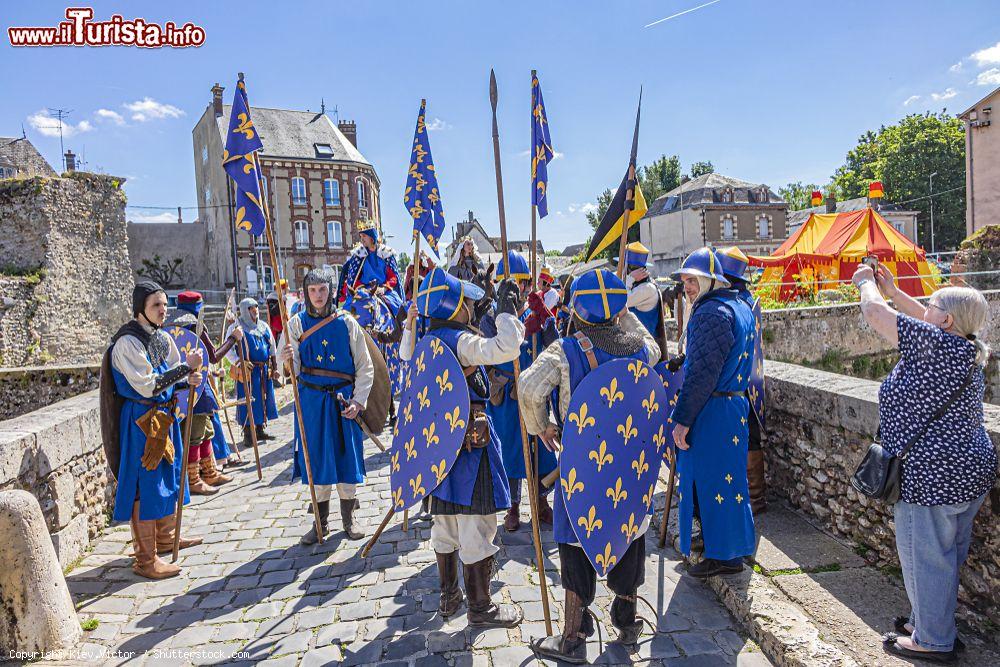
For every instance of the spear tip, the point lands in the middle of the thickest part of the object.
(493, 89)
(241, 76)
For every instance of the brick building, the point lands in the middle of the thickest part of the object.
(318, 186)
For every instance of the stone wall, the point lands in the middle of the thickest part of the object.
(819, 425)
(24, 390)
(55, 453)
(188, 242)
(69, 235)
(16, 336)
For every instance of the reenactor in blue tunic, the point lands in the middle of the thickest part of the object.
(644, 299)
(335, 374)
(711, 426)
(372, 264)
(601, 329)
(464, 505)
(142, 438)
(261, 370)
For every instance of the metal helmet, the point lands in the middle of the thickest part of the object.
(319, 277)
(702, 262)
(734, 263)
(598, 296)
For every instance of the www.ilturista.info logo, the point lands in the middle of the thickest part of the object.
(80, 30)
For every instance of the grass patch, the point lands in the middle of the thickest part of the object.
(90, 624)
(829, 567)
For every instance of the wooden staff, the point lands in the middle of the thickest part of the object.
(225, 411)
(188, 425)
(532, 491)
(534, 209)
(247, 382)
(679, 317)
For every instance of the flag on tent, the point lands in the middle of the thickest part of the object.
(541, 149)
(421, 196)
(242, 141)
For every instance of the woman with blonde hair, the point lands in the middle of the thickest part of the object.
(466, 263)
(951, 463)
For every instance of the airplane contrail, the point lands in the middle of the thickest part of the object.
(686, 11)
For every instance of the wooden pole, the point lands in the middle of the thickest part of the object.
(225, 410)
(247, 382)
(532, 492)
(378, 533)
(534, 209)
(188, 425)
(679, 316)
(284, 327)
(629, 203)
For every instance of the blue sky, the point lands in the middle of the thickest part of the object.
(769, 90)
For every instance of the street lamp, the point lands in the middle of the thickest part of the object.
(930, 180)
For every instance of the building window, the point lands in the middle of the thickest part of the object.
(324, 151)
(762, 195)
(208, 194)
(204, 154)
(763, 227)
(362, 194)
(728, 228)
(267, 278)
(301, 234)
(334, 234)
(331, 192)
(299, 190)
(727, 196)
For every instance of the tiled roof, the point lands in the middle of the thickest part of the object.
(25, 157)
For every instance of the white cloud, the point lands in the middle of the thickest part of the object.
(987, 56)
(48, 126)
(589, 207)
(946, 95)
(108, 114)
(990, 77)
(164, 217)
(910, 100)
(437, 124)
(149, 109)
(957, 67)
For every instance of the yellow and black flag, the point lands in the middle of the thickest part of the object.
(627, 198)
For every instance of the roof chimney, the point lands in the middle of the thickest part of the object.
(349, 130)
(217, 99)
(180, 218)
(831, 203)
(70, 161)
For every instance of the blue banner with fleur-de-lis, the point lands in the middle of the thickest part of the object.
(756, 391)
(422, 198)
(242, 141)
(612, 439)
(672, 383)
(430, 424)
(541, 149)
(186, 341)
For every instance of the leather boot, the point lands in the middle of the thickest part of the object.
(196, 485)
(347, 508)
(165, 536)
(210, 473)
(544, 510)
(512, 520)
(755, 479)
(624, 620)
(247, 439)
(147, 564)
(483, 612)
(324, 521)
(571, 645)
(451, 594)
(261, 435)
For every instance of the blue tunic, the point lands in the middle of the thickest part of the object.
(257, 348)
(719, 358)
(579, 367)
(459, 484)
(157, 488)
(649, 318)
(360, 270)
(220, 446)
(336, 445)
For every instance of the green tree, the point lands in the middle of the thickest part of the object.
(798, 195)
(702, 168)
(662, 175)
(903, 156)
(404, 261)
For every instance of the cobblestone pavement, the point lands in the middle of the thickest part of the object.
(251, 594)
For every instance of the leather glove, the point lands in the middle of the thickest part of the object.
(675, 363)
(156, 424)
(508, 297)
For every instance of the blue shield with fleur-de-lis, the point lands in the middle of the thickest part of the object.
(186, 341)
(614, 432)
(431, 422)
(672, 382)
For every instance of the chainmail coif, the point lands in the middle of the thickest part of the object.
(610, 337)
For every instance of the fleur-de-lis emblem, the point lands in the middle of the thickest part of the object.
(581, 419)
(454, 420)
(408, 413)
(429, 434)
(611, 392)
(606, 560)
(245, 127)
(617, 494)
(647, 498)
(422, 397)
(409, 378)
(443, 383)
(420, 363)
(659, 439)
(397, 497)
(627, 430)
(395, 429)
(411, 452)
(416, 487)
(630, 528)
(601, 455)
(570, 485)
(187, 348)
(639, 465)
(591, 522)
(394, 462)
(753, 394)
(638, 369)
(440, 470)
(651, 405)
(436, 348)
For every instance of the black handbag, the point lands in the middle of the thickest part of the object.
(880, 474)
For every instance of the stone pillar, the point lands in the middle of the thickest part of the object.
(36, 610)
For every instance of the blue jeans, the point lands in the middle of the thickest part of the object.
(933, 543)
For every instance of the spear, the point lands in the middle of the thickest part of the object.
(532, 488)
(225, 409)
(188, 425)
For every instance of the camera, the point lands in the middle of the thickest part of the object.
(871, 262)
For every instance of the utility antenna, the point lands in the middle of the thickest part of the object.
(59, 115)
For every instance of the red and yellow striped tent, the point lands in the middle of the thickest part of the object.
(828, 248)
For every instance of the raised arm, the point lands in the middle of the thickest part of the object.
(877, 313)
